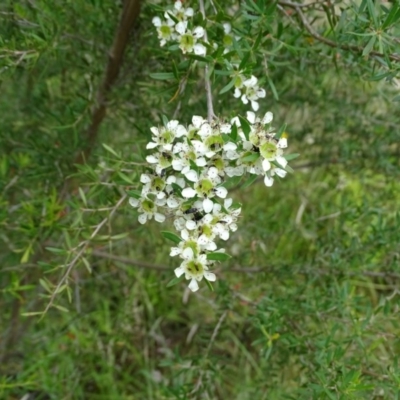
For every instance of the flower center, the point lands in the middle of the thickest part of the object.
(165, 31)
(148, 206)
(195, 268)
(204, 187)
(268, 150)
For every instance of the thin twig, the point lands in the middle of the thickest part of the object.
(210, 108)
(83, 246)
(329, 42)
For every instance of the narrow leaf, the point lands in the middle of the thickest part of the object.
(171, 236)
(218, 256)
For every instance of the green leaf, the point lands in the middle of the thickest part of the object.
(125, 178)
(208, 283)
(234, 133)
(245, 126)
(291, 156)
(218, 256)
(56, 250)
(244, 61)
(396, 98)
(162, 76)
(393, 16)
(83, 197)
(175, 280)
(177, 189)
(110, 150)
(273, 88)
(370, 45)
(251, 157)
(171, 236)
(134, 193)
(227, 87)
(249, 181)
(280, 132)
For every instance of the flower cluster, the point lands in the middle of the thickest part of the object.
(176, 27)
(186, 180)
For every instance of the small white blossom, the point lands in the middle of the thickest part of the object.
(195, 267)
(250, 92)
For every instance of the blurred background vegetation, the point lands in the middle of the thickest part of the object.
(308, 306)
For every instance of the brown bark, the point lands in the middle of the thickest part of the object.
(130, 13)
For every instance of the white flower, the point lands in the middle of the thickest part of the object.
(148, 208)
(195, 267)
(164, 29)
(164, 136)
(251, 92)
(188, 39)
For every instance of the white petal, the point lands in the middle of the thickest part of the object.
(185, 235)
(198, 32)
(282, 144)
(207, 205)
(280, 172)
(134, 202)
(190, 225)
(193, 285)
(203, 240)
(189, 12)
(201, 162)
(261, 93)
(221, 192)
(179, 271)
(227, 27)
(177, 164)
(251, 117)
(268, 181)
(226, 128)
(212, 172)
(228, 202)
(151, 145)
(267, 117)
(250, 82)
(187, 254)
(142, 218)
(237, 94)
(205, 130)
(172, 202)
(178, 5)
(192, 176)
(180, 27)
(211, 246)
(224, 235)
(199, 49)
(175, 251)
(244, 99)
(210, 276)
(282, 161)
(151, 159)
(254, 105)
(144, 178)
(159, 217)
(197, 121)
(156, 21)
(180, 131)
(230, 146)
(188, 193)
(266, 165)
(160, 196)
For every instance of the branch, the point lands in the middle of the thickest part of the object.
(322, 39)
(83, 246)
(210, 108)
(129, 15)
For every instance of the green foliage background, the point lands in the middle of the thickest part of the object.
(308, 306)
